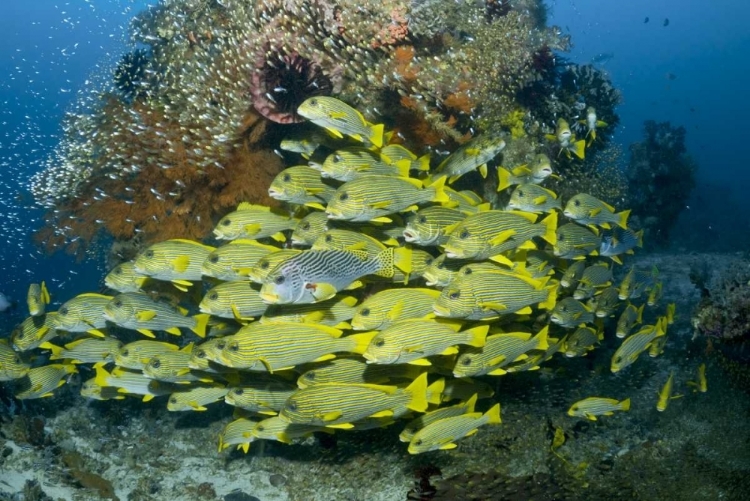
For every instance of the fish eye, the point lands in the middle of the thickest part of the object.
(149, 253)
(520, 193)
(235, 346)
(226, 222)
(466, 361)
(454, 295)
(63, 310)
(422, 219)
(618, 360)
(213, 258)
(264, 265)
(173, 400)
(379, 343)
(464, 235)
(310, 375)
(418, 442)
(221, 344)
(344, 196)
(336, 158)
(260, 427)
(286, 178)
(279, 280)
(118, 270)
(577, 203)
(125, 353)
(305, 226)
(17, 360)
(117, 303)
(291, 405)
(313, 102)
(468, 271)
(364, 312)
(213, 296)
(429, 261)
(563, 308)
(238, 391)
(329, 239)
(561, 237)
(155, 363)
(200, 354)
(441, 266)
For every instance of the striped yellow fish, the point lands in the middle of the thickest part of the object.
(350, 370)
(393, 153)
(487, 295)
(137, 311)
(569, 312)
(263, 397)
(238, 300)
(124, 278)
(441, 271)
(279, 346)
(391, 305)
(309, 228)
(301, 185)
(87, 350)
(206, 355)
(131, 382)
(40, 382)
(430, 417)
(239, 433)
(411, 341)
(539, 170)
(533, 198)
(348, 164)
(499, 351)
(573, 274)
(594, 277)
(136, 355)
(196, 398)
(37, 299)
(582, 341)
(232, 262)
(340, 119)
(592, 407)
(665, 394)
(428, 226)
(11, 365)
(635, 344)
(473, 155)
(339, 405)
(178, 261)
(607, 303)
(630, 317)
(89, 389)
(172, 367)
(442, 434)
(701, 383)
(374, 198)
(335, 312)
(254, 222)
(83, 313)
(589, 210)
(576, 242)
(34, 331)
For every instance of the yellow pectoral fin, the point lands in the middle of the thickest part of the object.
(595, 211)
(95, 332)
(493, 306)
(422, 362)
(381, 205)
(497, 360)
(175, 331)
(279, 237)
(315, 205)
(252, 228)
(502, 237)
(332, 416)
(540, 200)
(483, 170)
(323, 291)
(342, 426)
(145, 316)
(448, 446)
(385, 413)
(146, 332)
(180, 263)
(330, 356)
(381, 219)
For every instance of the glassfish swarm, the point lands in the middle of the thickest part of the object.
(505, 312)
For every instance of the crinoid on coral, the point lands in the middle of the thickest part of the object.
(131, 77)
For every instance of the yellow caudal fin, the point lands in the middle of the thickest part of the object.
(476, 336)
(56, 351)
(580, 148)
(435, 391)
(503, 179)
(361, 341)
(551, 300)
(440, 195)
(540, 341)
(45, 293)
(622, 218)
(550, 228)
(102, 376)
(639, 236)
(423, 163)
(376, 135)
(493, 415)
(402, 258)
(625, 405)
(201, 321)
(418, 392)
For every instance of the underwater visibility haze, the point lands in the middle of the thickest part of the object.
(374, 250)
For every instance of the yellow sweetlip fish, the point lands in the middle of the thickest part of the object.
(177, 260)
(239, 433)
(89, 389)
(374, 198)
(124, 278)
(533, 198)
(428, 418)
(428, 226)
(137, 311)
(173, 367)
(83, 313)
(37, 299)
(278, 346)
(535, 173)
(574, 241)
(205, 356)
(136, 355)
(253, 221)
(350, 370)
(340, 119)
(567, 140)
(490, 233)
(233, 261)
(582, 341)
(473, 155)
(394, 153)
(196, 398)
(572, 274)
(411, 341)
(637, 343)
(586, 209)
(11, 365)
(635, 282)
(596, 276)
(629, 318)
(341, 405)
(34, 331)
(263, 397)
(301, 185)
(238, 300)
(442, 434)
(592, 407)
(570, 312)
(335, 312)
(607, 302)
(592, 123)
(40, 382)
(498, 352)
(701, 383)
(441, 271)
(130, 382)
(621, 241)
(87, 350)
(665, 394)
(348, 164)
(384, 308)
(488, 295)
(309, 228)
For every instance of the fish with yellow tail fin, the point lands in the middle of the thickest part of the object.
(534, 173)
(592, 123)
(592, 407)
(635, 282)
(573, 274)
(172, 366)
(582, 341)
(87, 350)
(374, 198)
(278, 346)
(395, 153)
(348, 240)
(412, 341)
(239, 433)
(309, 228)
(350, 370)
(473, 155)
(655, 294)
(533, 198)
(621, 241)
(137, 311)
(348, 164)
(444, 433)
(701, 383)
(428, 226)
(339, 405)
(37, 298)
(196, 398)
(576, 242)
(589, 210)
(178, 261)
(263, 397)
(570, 312)
(665, 394)
(238, 300)
(40, 382)
(433, 416)
(316, 275)
(131, 382)
(89, 389)
(301, 185)
(83, 313)
(255, 222)
(11, 365)
(488, 295)
(136, 355)
(233, 261)
(388, 306)
(636, 344)
(594, 278)
(567, 140)
(499, 351)
(335, 312)
(340, 119)
(489, 234)
(34, 331)
(607, 303)
(124, 278)
(267, 263)
(630, 317)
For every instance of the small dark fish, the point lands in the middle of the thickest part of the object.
(602, 58)
(671, 76)
(666, 21)
(645, 21)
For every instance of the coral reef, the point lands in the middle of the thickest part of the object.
(661, 176)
